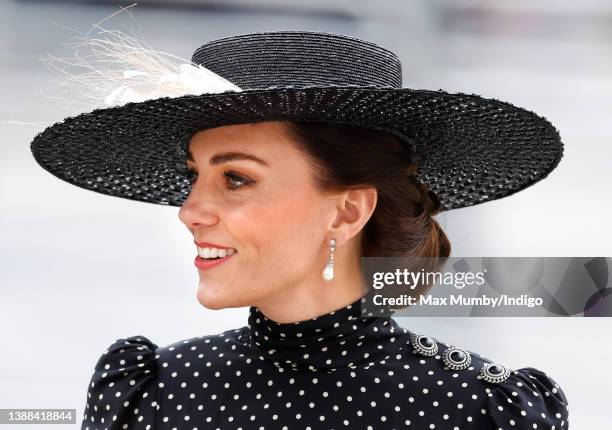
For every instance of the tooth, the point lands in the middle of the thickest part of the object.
(213, 253)
(206, 253)
(230, 251)
(221, 253)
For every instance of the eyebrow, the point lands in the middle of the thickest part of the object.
(224, 157)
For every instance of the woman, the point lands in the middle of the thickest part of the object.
(285, 184)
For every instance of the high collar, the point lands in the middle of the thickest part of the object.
(340, 338)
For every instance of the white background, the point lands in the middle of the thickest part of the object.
(79, 269)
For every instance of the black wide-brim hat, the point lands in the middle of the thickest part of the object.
(472, 149)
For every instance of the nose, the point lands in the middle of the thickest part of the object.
(197, 210)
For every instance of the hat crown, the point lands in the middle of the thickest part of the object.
(300, 59)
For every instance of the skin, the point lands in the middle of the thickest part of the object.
(280, 224)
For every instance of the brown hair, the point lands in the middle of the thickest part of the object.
(350, 156)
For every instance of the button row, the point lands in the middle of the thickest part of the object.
(458, 359)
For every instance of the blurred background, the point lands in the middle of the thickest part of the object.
(79, 269)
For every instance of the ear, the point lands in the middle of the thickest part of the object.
(355, 207)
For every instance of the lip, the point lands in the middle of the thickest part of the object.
(206, 264)
(211, 245)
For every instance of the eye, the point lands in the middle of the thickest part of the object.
(234, 181)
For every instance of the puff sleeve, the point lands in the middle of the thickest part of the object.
(122, 393)
(528, 399)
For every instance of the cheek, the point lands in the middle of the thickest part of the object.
(284, 227)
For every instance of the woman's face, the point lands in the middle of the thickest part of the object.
(269, 211)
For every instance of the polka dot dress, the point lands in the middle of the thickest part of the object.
(336, 371)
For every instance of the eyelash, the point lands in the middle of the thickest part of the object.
(228, 174)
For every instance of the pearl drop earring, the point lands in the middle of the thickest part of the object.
(328, 272)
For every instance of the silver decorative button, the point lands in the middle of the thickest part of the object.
(494, 372)
(456, 358)
(424, 345)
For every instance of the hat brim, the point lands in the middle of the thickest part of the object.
(472, 149)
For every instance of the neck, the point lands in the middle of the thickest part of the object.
(314, 297)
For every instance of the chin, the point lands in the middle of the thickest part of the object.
(213, 298)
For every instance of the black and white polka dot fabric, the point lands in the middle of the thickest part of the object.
(337, 371)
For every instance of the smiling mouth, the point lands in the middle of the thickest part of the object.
(209, 263)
